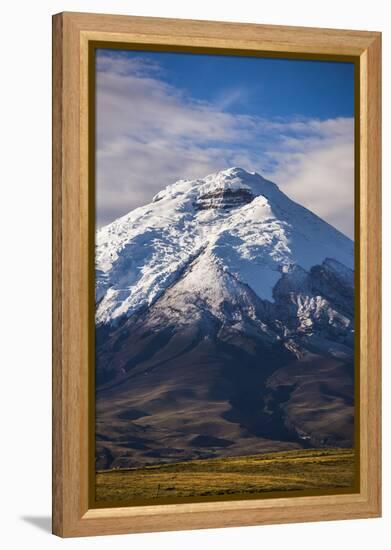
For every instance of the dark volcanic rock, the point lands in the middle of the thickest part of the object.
(227, 198)
(190, 378)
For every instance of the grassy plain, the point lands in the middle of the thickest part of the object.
(280, 471)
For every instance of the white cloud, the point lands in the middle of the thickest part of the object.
(318, 171)
(149, 134)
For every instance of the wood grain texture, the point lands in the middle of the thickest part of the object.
(57, 462)
(71, 35)
(221, 34)
(371, 407)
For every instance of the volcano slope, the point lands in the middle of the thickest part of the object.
(224, 327)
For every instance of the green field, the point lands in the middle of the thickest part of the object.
(280, 471)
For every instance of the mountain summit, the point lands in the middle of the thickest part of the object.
(241, 220)
(224, 325)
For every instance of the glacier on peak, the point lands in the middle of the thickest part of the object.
(234, 217)
(232, 179)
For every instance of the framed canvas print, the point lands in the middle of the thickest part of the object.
(216, 239)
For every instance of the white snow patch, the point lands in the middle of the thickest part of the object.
(142, 253)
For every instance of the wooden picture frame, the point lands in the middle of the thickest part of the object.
(72, 268)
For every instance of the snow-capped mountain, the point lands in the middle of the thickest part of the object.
(238, 220)
(225, 325)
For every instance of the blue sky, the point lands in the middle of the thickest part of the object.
(164, 116)
(261, 86)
